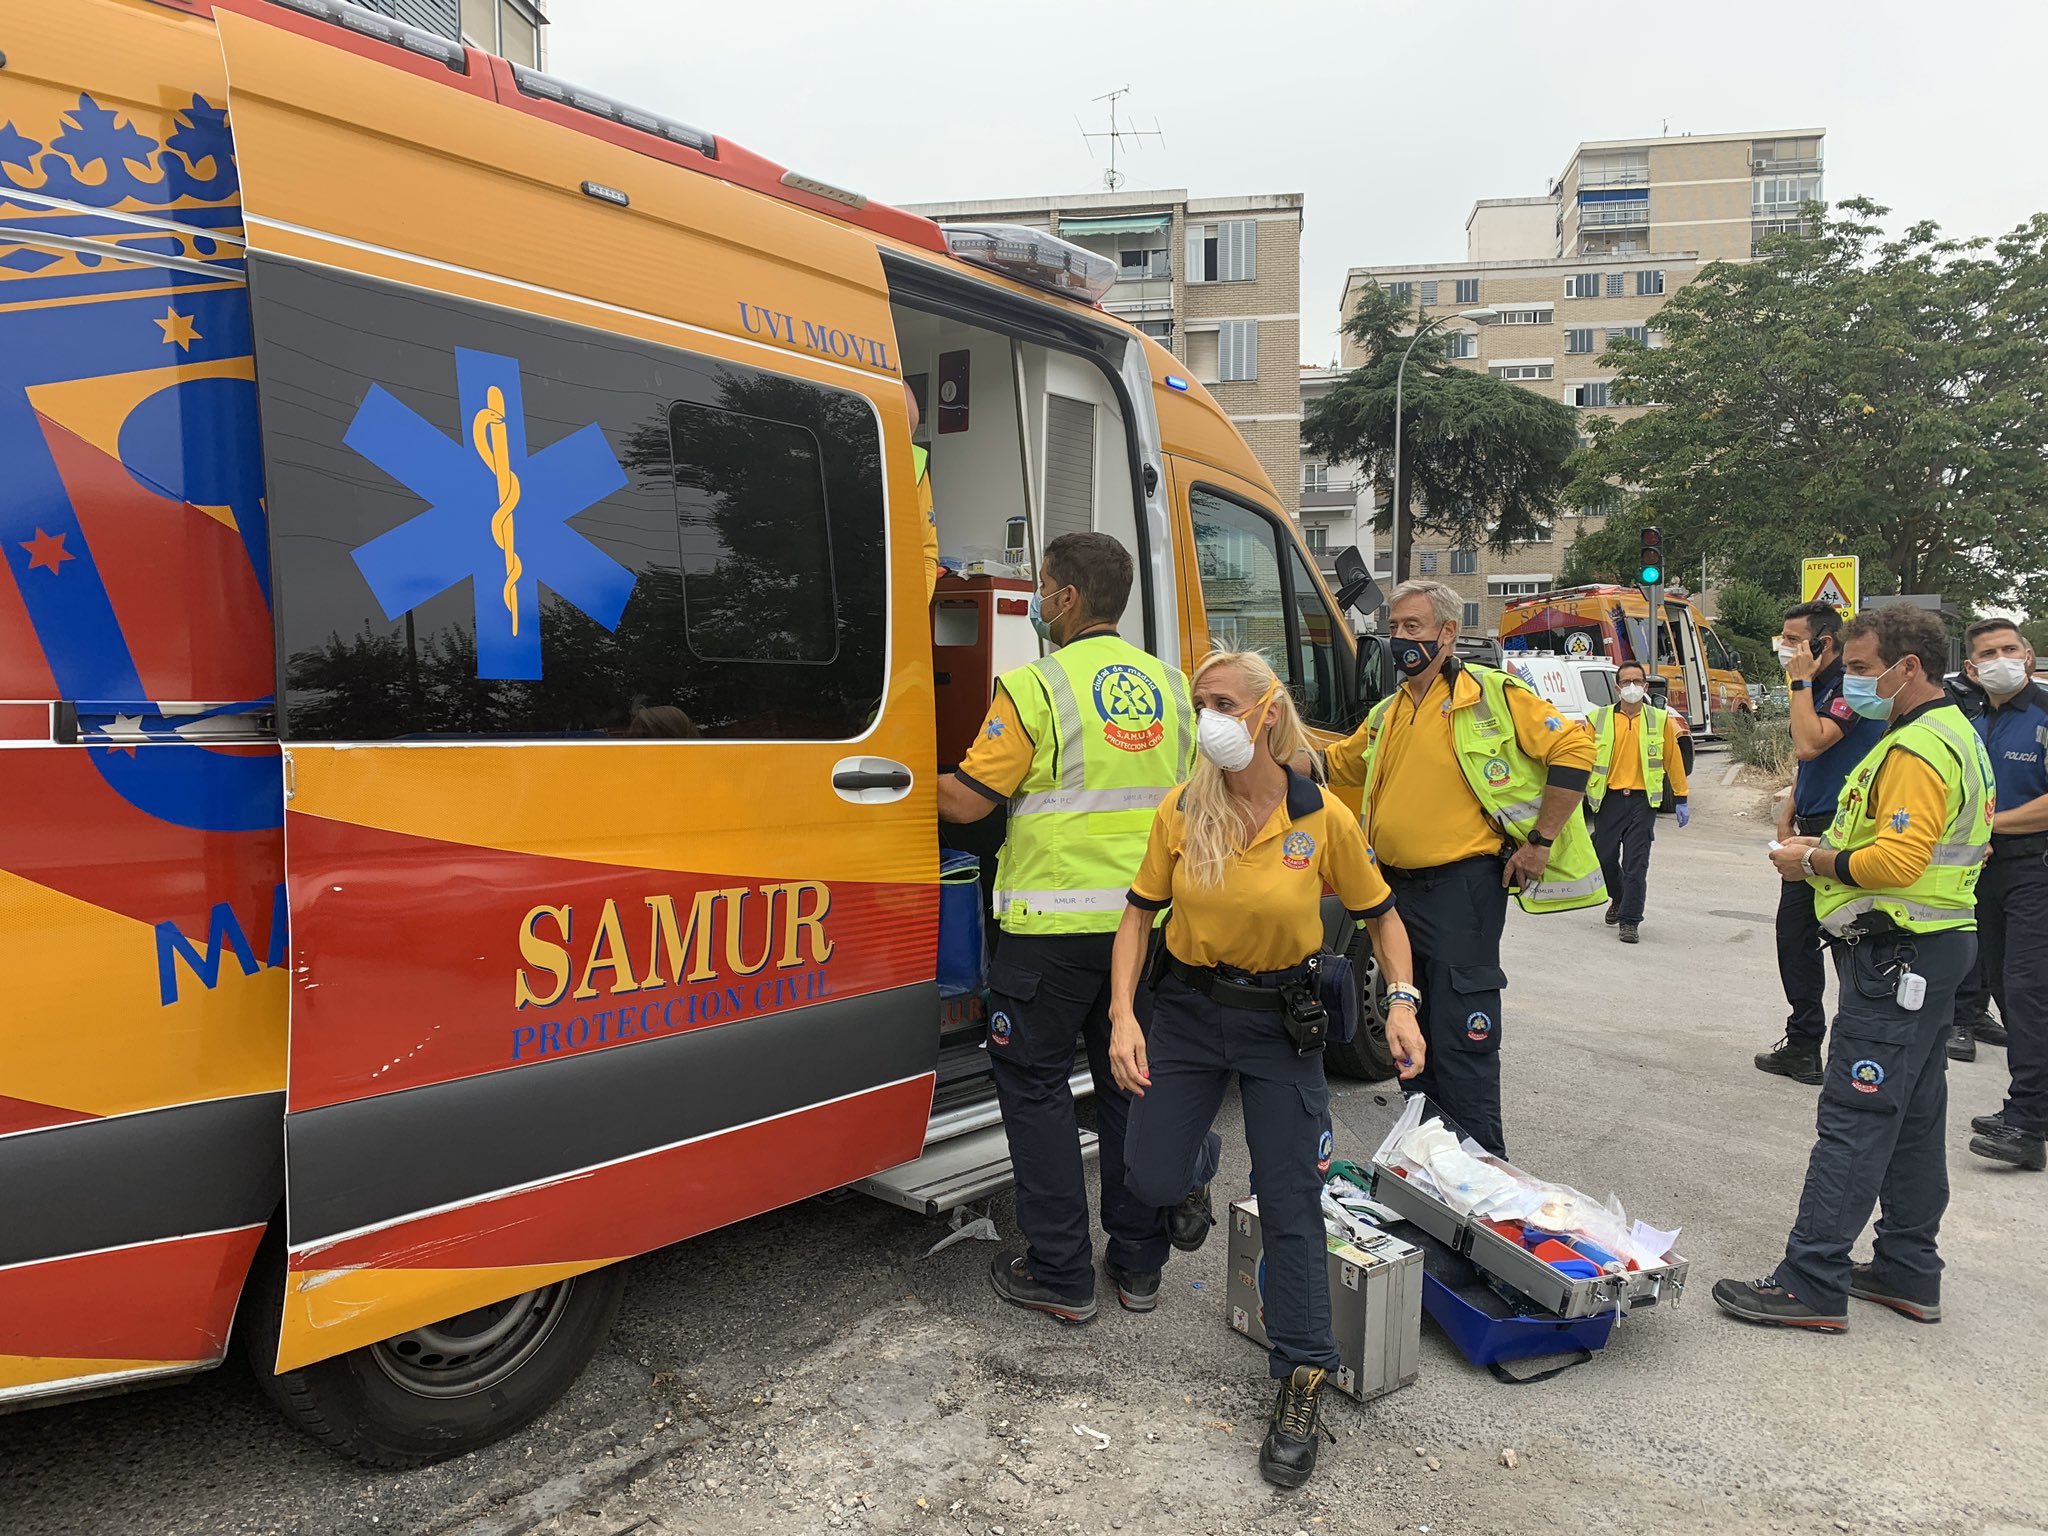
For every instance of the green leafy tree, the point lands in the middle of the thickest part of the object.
(1482, 460)
(1848, 394)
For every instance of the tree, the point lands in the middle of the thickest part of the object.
(1848, 394)
(1488, 457)
(1749, 619)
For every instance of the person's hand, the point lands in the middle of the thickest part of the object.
(1526, 866)
(1684, 814)
(1804, 665)
(1127, 1063)
(1789, 856)
(1404, 1040)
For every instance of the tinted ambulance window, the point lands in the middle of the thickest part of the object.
(489, 524)
(1318, 691)
(1257, 603)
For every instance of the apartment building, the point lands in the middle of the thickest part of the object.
(1719, 194)
(1547, 324)
(1217, 280)
(1337, 499)
(512, 29)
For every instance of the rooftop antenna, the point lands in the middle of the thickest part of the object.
(1120, 135)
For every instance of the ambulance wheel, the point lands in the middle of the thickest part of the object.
(443, 1389)
(1367, 1056)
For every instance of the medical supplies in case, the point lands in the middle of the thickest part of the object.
(1544, 1241)
(1375, 1302)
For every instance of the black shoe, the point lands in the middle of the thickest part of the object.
(1988, 1125)
(1613, 913)
(2008, 1145)
(1289, 1454)
(1188, 1224)
(1989, 1031)
(1801, 1063)
(1137, 1290)
(1962, 1044)
(1767, 1302)
(1631, 933)
(1865, 1284)
(1013, 1282)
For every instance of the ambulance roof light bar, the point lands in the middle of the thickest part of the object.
(384, 29)
(549, 88)
(1033, 256)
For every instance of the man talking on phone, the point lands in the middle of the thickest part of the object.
(1830, 739)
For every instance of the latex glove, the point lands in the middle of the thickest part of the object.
(1684, 814)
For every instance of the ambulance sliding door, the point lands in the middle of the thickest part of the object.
(609, 820)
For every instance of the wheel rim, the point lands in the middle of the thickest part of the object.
(1372, 988)
(475, 1351)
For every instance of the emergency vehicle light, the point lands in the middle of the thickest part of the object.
(1032, 256)
(550, 88)
(383, 29)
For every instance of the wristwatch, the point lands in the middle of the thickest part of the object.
(1806, 863)
(1800, 684)
(1540, 840)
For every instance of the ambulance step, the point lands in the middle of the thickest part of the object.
(954, 1172)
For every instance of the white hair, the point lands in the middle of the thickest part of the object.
(1449, 607)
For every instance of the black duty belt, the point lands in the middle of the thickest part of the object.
(1813, 826)
(1392, 872)
(1235, 988)
(2031, 845)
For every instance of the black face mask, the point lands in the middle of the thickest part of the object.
(1414, 656)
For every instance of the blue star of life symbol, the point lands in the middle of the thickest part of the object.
(495, 517)
(1552, 723)
(995, 728)
(1901, 820)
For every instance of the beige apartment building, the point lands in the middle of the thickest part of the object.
(1555, 280)
(1216, 279)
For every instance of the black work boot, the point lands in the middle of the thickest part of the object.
(1013, 1281)
(1613, 913)
(1188, 1224)
(1962, 1043)
(1866, 1283)
(1289, 1454)
(1631, 933)
(1801, 1063)
(2008, 1144)
(1988, 1125)
(1988, 1030)
(1767, 1302)
(1137, 1290)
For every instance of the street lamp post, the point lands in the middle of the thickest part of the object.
(1478, 317)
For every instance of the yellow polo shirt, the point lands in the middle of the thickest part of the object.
(1266, 913)
(1422, 811)
(1628, 754)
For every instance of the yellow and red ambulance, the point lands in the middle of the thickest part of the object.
(468, 715)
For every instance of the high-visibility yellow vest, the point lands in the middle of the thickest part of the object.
(1649, 743)
(1945, 894)
(1508, 784)
(920, 460)
(1115, 731)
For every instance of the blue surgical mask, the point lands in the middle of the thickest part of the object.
(1039, 621)
(1861, 695)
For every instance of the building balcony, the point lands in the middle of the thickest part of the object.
(1788, 167)
(1614, 215)
(1628, 176)
(1329, 498)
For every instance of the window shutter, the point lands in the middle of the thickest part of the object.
(1069, 467)
(1237, 250)
(1197, 235)
(1614, 285)
(1239, 342)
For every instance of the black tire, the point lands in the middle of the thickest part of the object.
(412, 1400)
(1367, 1056)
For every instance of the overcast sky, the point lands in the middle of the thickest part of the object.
(1391, 115)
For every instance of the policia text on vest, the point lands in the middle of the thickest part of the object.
(1895, 881)
(1080, 746)
(1472, 784)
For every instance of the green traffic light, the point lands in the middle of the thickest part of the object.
(1651, 575)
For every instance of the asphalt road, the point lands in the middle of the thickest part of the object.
(813, 1370)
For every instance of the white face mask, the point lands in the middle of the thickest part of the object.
(1633, 693)
(1785, 652)
(2002, 674)
(1224, 741)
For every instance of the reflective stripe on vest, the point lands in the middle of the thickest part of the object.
(1115, 733)
(1508, 784)
(1944, 895)
(1649, 748)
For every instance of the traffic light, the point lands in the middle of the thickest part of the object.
(1651, 573)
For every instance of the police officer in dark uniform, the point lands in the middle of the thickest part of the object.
(1895, 886)
(1830, 739)
(2010, 711)
(1242, 854)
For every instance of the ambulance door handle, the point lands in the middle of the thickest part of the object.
(870, 780)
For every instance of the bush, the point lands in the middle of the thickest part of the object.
(1762, 739)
